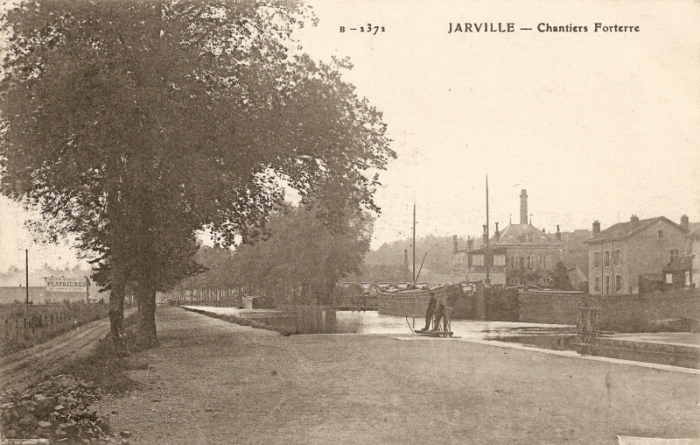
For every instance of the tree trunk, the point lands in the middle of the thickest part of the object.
(116, 316)
(147, 318)
(116, 310)
(330, 292)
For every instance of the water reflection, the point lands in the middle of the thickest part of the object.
(372, 323)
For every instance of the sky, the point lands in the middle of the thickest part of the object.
(594, 125)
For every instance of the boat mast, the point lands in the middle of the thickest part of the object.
(486, 254)
(414, 243)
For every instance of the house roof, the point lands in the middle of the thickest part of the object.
(524, 234)
(492, 249)
(626, 229)
(680, 264)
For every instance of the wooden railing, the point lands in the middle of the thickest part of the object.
(46, 320)
(587, 328)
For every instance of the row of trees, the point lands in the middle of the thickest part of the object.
(437, 250)
(301, 258)
(131, 126)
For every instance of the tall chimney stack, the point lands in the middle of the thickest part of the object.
(558, 233)
(634, 219)
(470, 244)
(596, 227)
(523, 207)
(685, 223)
(497, 234)
(454, 243)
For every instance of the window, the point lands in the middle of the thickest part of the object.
(617, 257)
(597, 284)
(661, 234)
(674, 254)
(531, 262)
(606, 258)
(618, 283)
(544, 262)
(478, 260)
(499, 260)
(607, 285)
(596, 260)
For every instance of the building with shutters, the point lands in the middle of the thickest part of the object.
(520, 254)
(629, 257)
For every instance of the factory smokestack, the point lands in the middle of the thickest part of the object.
(523, 207)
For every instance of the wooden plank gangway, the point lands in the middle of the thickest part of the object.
(431, 333)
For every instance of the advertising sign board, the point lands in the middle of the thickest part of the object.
(66, 284)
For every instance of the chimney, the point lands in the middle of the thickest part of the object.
(596, 227)
(454, 243)
(523, 207)
(558, 233)
(634, 219)
(685, 223)
(497, 234)
(470, 244)
(486, 236)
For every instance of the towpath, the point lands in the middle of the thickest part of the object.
(212, 382)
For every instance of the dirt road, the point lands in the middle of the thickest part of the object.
(211, 382)
(18, 370)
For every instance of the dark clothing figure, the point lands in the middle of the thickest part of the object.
(439, 315)
(429, 313)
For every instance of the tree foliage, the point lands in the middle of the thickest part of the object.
(560, 277)
(439, 251)
(132, 125)
(303, 258)
(220, 273)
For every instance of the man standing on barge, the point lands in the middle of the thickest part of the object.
(430, 311)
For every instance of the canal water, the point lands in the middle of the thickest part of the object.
(372, 323)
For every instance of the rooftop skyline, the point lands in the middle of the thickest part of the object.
(594, 125)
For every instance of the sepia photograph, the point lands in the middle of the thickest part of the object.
(349, 222)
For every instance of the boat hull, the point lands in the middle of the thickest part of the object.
(409, 303)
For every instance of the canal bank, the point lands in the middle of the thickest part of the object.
(213, 382)
(680, 349)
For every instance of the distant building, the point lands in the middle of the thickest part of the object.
(460, 258)
(56, 290)
(520, 254)
(576, 251)
(693, 252)
(619, 255)
(476, 270)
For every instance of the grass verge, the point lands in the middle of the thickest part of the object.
(56, 409)
(106, 367)
(284, 330)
